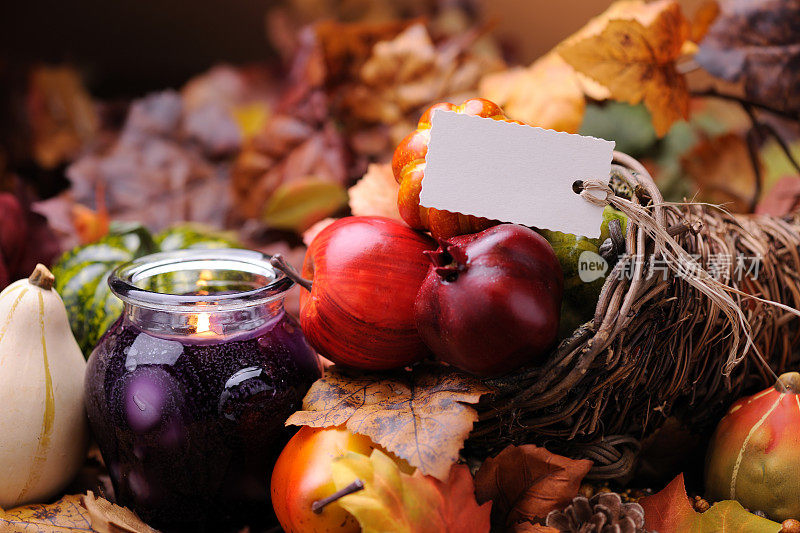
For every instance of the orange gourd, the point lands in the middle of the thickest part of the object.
(408, 166)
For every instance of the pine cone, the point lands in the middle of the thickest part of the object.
(604, 513)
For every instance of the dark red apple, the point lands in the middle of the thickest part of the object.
(491, 301)
(365, 274)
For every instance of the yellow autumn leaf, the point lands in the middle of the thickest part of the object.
(392, 501)
(251, 118)
(375, 194)
(71, 514)
(297, 205)
(67, 515)
(547, 94)
(631, 50)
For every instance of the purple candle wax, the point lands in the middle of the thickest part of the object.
(190, 422)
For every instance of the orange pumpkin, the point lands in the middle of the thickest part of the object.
(408, 166)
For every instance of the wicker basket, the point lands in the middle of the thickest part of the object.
(662, 342)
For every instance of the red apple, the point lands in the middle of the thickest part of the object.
(365, 274)
(491, 301)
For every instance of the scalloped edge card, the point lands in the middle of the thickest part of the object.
(513, 172)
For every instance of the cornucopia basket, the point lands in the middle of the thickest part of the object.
(698, 304)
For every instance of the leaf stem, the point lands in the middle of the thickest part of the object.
(319, 505)
(279, 262)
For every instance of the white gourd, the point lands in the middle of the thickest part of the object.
(43, 430)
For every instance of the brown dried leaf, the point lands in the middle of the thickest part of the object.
(421, 414)
(67, 515)
(401, 59)
(527, 482)
(547, 94)
(375, 194)
(346, 46)
(71, 514)
(631, 49)
(153, 174)
(109, 518)
(722, 172)
(408, 72)
(288, 149)
(757, 41)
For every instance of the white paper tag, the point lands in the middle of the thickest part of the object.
(513, 173)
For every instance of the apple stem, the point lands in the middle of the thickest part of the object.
(319, 505)
(280, 263)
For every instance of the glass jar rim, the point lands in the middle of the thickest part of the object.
(123, 279)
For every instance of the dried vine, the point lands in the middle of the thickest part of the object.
(660, 343)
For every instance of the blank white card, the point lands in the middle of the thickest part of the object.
(513, 173)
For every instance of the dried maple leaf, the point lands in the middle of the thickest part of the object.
(670, 511)
(421, 414)
(67, 515)
(631, 50)
(757, 41)
(722, 171)
(109, 518)
(395, 502)
(527, 482)
(375, 194)
(411, 71)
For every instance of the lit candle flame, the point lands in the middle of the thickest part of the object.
(203, 323)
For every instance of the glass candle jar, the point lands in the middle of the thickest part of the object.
(187, 393)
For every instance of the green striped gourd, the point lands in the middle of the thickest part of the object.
(43, 430)
(82, 273)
